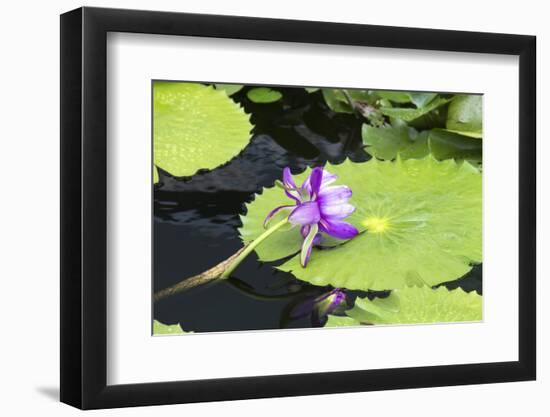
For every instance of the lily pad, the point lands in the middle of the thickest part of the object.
(336, 100)
(229, 89)
(419, 217)
(341, 321)
(164, 329)
(155, 175)
(196, 127)
(264, 95)
(414, 305)
(465, 115)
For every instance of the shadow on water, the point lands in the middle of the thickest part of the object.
(196, 219)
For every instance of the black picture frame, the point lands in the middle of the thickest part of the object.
(84, 207)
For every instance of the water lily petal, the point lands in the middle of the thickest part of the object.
(317, 239)
(338, 229)
(307, 244)
(306, 213)
(275, 211)
(335, 194)
(315, 179)
(312, 184)
(291, 190)
(288, 181)
(295, 195)
(328, 178)
(336, 211)
(337, 298)
(304, 231)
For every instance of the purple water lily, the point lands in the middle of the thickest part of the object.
(319, 208)
(320, 306)
(327, 303)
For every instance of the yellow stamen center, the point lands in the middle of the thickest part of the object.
(376, 224)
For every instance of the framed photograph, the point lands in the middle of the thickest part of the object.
(258, 208)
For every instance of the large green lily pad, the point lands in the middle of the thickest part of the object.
(419, 218)
(413, 305)
(196, 127)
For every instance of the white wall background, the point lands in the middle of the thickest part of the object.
(29, 261)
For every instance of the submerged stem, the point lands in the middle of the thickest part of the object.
(196, 280)
(221, 270)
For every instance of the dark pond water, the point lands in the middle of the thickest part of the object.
(196, 220)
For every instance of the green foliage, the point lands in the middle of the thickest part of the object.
(166, 329)
(447, 127)
(229, 89)
(459, 114)
(389, 141)
(394, 96)
(413, 305)
(340, 100)
(476, 135)
(420, 218)
(402, 97)
(465, 115)
(409, 114)
(196, 127)
(445, 144)
(422, 99)
(264, 95)
(336, 100)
